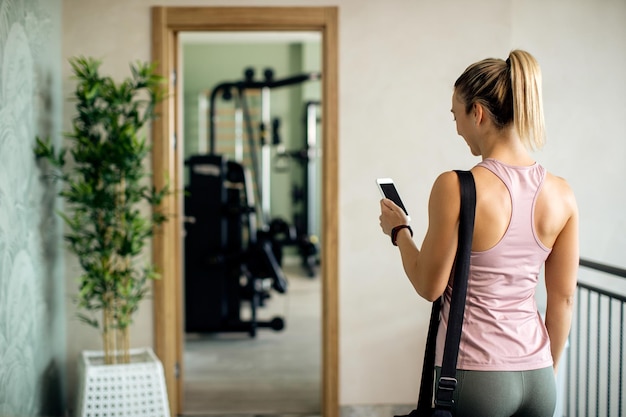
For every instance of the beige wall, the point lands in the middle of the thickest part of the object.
(398, 61)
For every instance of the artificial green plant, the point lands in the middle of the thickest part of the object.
(105, 188)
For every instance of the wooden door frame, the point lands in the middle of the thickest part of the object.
(167, 22)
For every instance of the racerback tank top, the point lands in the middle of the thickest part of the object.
(502, 328)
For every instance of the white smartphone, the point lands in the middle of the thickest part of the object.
(388, 190)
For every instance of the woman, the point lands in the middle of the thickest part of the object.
(526, 220)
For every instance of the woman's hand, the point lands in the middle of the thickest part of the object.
(391, 215)
(428, 268)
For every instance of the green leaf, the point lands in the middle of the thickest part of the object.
(87, 320)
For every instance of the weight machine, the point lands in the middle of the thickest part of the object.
(233, 251)
(306, 197)
(226, 263)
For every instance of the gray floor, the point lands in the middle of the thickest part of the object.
(274, 374)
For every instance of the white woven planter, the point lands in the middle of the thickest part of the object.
(136, 389)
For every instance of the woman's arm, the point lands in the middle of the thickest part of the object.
(561, 272)
(429, 269)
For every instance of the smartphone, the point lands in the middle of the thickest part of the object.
(388, 190)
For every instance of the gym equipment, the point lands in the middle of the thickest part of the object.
(260, 169)
(226, 261)
(306, 197)
(305, 229)
(233, 251)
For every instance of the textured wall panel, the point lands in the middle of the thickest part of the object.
(32, 308)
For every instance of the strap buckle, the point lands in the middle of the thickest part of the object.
(447, 383)
(445, 389)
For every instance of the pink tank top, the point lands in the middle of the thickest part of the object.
(502, 328)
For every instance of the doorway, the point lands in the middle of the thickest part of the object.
(167, 23)
(234, 85)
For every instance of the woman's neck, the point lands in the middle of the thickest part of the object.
(506, 147)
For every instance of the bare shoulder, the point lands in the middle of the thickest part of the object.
(558, 189)
(555, 210)
(447, 181)
(446, 186)
(444, 196)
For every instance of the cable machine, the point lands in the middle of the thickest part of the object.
(306, 196)
(233, 250)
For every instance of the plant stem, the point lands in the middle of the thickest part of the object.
(126, 344)
(106, 335)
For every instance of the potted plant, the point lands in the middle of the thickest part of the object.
(106, 190)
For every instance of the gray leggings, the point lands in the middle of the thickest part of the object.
(504, 394)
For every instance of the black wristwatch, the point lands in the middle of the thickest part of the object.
(395, 230)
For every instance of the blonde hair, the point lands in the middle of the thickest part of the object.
(510, 91)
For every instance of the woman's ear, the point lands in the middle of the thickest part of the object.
(478, 113)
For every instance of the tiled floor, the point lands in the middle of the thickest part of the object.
(275, 374)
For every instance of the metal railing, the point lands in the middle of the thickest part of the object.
(595, 358)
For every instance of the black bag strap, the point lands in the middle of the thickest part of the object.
(447, 381)
(425, 399)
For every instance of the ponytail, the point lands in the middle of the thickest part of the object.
(527, 100)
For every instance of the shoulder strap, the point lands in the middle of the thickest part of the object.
(425, 399)
(447, 381)
(461, 270)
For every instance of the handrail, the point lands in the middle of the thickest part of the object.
(613, 270)
(593, 383)
(604, 292)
